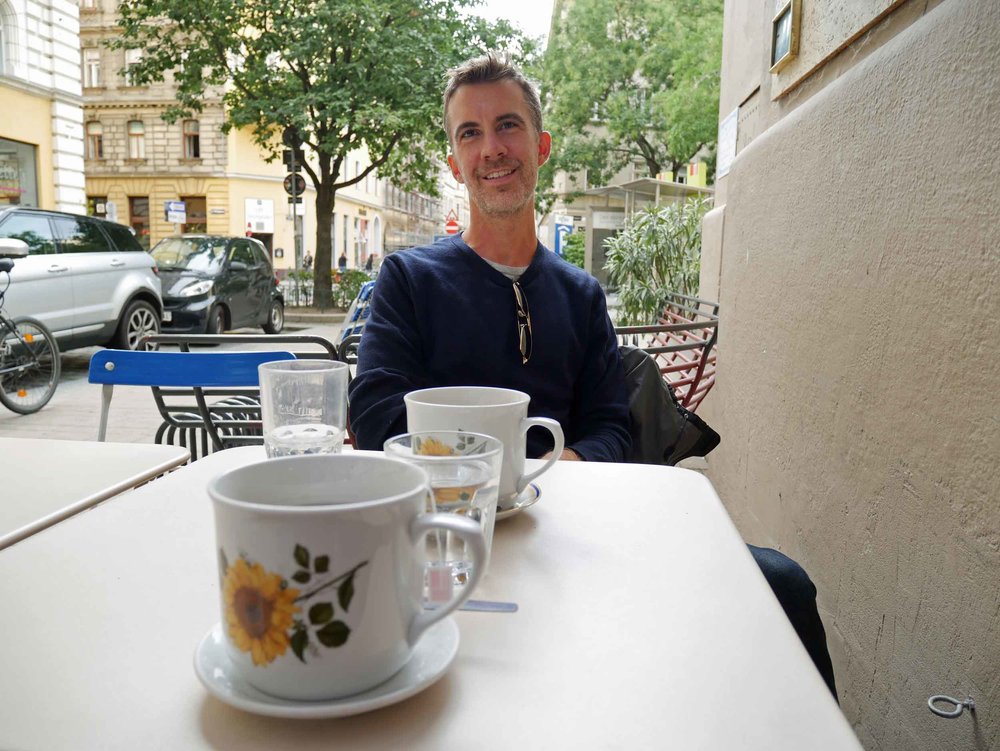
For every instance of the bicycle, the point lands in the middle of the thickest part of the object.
(29, 358)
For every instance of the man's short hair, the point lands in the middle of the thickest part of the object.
(492, 67)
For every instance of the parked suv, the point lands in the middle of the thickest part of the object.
(85, 278)
(213, 283)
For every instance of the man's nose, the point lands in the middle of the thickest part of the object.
(493, 146)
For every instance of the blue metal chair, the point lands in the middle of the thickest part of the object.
(232, 421)
(357, 314)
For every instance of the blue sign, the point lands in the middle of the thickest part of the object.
(174, 212)
(561, 231)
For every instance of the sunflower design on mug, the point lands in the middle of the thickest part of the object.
(264, 613)
(260, 610)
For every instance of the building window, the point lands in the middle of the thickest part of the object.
(192, 140)
(136, 139)
(132, 58)
(18, 180)
(92, 68)
(196, 212)
(95, 140)
(138, 218)
(88, 4)
(97, 206)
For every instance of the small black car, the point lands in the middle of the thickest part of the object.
(213, 283)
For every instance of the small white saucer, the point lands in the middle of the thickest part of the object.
(528, 497)
(433, 654)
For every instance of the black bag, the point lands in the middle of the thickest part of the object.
(663, 432)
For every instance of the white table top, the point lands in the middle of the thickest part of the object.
(45, 481)
(643, 623)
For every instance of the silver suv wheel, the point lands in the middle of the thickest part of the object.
(140, 320)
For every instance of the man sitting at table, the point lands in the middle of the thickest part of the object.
(493, 307)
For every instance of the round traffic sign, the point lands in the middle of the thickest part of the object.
(451, 227)
(295, 184)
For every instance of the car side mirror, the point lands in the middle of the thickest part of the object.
(11, 247)
(238, 266)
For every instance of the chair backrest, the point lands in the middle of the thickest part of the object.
(318, 346)
(358, 312)
(204, 369)
(182, 383)
(683, 343)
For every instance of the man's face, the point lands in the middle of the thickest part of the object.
(496, 151)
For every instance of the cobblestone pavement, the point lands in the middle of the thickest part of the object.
(75, 408)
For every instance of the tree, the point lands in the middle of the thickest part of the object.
(345, 75)
(631, 79)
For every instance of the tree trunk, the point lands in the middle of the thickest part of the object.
(652, 165)
(323, 257)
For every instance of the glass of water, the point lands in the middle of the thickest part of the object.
(303, 406)
(464, 472)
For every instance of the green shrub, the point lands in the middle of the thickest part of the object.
(350, 284)
(657, 252)
(574, 248)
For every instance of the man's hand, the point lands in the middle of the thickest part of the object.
(567, 455)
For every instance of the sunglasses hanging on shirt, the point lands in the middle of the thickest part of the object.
(523, 323)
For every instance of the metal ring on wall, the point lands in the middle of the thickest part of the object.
(960, 706)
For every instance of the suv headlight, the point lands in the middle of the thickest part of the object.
(196, 288)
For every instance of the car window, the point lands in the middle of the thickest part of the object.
(241, 252)
(81, 235)
(191, 253)
(33, 229)
(260, 256)
(121, 236)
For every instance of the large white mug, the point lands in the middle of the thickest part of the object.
(501, 413)
(321, 570)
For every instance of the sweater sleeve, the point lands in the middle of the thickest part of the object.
(389, 361)
(600, 401)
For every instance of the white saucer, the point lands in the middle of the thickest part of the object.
(433, 654)
(528, 497)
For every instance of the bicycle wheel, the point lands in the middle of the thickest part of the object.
(29, 365)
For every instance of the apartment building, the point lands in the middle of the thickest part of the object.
(41, 112)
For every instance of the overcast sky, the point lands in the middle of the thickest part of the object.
(532, 16)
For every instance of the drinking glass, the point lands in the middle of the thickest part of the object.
(303, 406)
(464, 472)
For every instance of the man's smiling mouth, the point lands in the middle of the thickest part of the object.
(496, 174)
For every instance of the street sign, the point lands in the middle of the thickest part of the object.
(175, 212)
(111, 211)
(563, 227)
(451, 227)
(295, 184)
(287, 155)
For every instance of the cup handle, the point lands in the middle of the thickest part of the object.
(472, 533)
(556, 430)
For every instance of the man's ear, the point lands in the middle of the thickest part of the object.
(544, 147)
(454, 169)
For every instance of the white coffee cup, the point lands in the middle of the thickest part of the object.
(322, 570)
(501, 413)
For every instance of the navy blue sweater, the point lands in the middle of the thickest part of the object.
(442, 316)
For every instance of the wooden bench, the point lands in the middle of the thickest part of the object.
(683, 343)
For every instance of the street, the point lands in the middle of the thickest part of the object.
(74, 412)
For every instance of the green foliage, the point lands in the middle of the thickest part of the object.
(574, 248)
(367, 74)
(657, 252)
(631, 80)
(348, 287)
